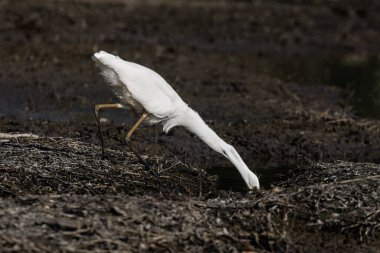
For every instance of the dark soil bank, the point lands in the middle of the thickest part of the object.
(58, 194)
(71, 209)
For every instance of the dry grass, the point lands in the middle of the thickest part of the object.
(59, 195)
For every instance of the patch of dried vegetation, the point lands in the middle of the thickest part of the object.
(60, 165)
(58, 194)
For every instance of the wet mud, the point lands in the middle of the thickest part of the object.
(314, 151)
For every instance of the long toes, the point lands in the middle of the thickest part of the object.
(146, 164)
(104, 156)
(151, 169)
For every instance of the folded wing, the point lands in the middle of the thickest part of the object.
(145, 86)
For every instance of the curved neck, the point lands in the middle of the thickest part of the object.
(195, 124)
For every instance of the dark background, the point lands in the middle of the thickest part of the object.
(280, 80)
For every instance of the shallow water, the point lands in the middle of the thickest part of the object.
(359, 75)
(230, 179)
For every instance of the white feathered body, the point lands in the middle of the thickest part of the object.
(146, 91)
(141, 88)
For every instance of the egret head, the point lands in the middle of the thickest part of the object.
(249, 177)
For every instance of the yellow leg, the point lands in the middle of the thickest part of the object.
(128, 141)
(97, 109)
(135, 126)
(128, 137)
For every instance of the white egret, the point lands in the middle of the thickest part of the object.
(157, 102)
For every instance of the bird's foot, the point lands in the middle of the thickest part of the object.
(142, 160)
(104, 156)
(149, 167)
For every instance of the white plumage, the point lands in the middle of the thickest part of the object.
(147, 92)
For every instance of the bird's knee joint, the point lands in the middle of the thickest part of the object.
(96, 109)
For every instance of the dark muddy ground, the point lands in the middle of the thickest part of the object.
(58, 195)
